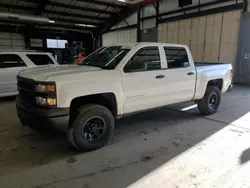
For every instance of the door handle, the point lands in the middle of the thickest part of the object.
(190, 73)
(160, 76)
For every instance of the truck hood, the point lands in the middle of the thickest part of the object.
(45, 73)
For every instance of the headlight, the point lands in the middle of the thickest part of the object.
(45, 88)
(46, 101)
(46, 94)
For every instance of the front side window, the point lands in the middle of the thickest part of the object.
(145, 59)
(176, 57)
(39, 59)
(106, 57)
(11, 60)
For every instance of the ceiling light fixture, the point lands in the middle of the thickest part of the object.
(85, 25)
(137, 2)
(51, 21)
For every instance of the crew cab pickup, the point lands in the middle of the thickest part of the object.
(115, 81)
(12, 62)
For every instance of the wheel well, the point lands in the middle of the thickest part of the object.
(105, 99)
(217, 83)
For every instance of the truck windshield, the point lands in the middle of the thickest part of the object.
(106, 57)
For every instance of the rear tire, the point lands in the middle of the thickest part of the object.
(210, 103)
(92, 128)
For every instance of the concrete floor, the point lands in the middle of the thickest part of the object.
(162, 148)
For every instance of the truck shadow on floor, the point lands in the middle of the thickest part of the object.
(31, 148)
(158, 135)
(7, 99)
(245, 156)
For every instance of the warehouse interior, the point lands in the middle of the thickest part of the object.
(174, 146)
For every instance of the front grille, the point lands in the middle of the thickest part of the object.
(26, 89)
(27, 98)
(25, 84)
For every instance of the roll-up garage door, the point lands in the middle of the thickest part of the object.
(11, 41)
(210, 38)
(116, 37)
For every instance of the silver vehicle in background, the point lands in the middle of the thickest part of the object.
(12, 62)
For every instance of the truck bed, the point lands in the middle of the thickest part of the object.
(201, 63)
(220, 68)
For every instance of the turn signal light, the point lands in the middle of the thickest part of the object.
(42, 101)
(51, 88)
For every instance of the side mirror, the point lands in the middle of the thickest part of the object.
(136, 66)
(127, 69)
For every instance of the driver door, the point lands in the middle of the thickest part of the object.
(144, 83)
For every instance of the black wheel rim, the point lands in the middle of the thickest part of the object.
(213, 100)
(94, 129)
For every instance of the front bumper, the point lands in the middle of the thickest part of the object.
(230, 88)
(57, 118)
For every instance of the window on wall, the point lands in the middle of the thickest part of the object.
(40, 59)
(144, 60)
(176, 57)
(55, 43)
(183, 3)
(11, 60)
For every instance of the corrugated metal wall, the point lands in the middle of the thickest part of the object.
(124, 36)
(210, 38)
(11, 41)
(230, 35)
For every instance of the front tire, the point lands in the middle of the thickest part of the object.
(92, 128)
(210, 103)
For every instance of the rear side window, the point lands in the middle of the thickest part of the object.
(145, 59)
(38, 59)
(11, 60)
(176, 57)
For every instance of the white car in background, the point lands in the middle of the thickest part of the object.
(12, 62)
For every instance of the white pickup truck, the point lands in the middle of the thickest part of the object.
(112, 82)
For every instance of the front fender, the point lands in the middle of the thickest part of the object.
(69, 91)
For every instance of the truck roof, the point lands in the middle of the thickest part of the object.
(131, 45)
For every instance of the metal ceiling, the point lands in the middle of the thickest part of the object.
(77, 14)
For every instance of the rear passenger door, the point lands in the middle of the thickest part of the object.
(144, 83)
(180, 75)
(10, 66)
